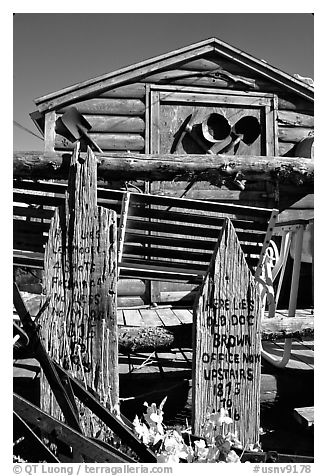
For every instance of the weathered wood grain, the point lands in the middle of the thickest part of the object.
(130, 91)
(107, 141)
(112, 106)
(114, 124)
(293, 134)
(80, 325)
(294, 103)
(293, 118)
(226, 342)
(126, 166)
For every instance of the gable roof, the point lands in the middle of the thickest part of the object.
(140, 70)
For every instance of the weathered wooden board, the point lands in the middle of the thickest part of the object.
(293, 118)
(293, 134)
(107, 141)
(125, 166)
(112, 106)
(305, 416)
(132, 91)
(80, 325)
(114, 124)
(226, 341)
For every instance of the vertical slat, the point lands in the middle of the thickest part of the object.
(155, 122)
(296, 271)
(122, 225)
(49, 131)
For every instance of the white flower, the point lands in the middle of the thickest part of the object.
(201, 451)
(213, 454)
(224, 417)
(141, 430)
(171, 444)
(165, 457)
(232, 457)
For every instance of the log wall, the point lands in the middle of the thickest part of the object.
(120, 121)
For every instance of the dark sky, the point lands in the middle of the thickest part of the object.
(53, 51)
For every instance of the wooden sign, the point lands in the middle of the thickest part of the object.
(80, 325)
(226, 341)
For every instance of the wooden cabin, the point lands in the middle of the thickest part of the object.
(208, 97)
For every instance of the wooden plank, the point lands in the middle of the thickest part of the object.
(155, 122)
(226, 339)
(226, 92)
(32, 212)
(186, 203)
(80, 325)
(305, 416)
(177, 296)
(131, 287)
(49, 131)
(28, 259)
(295, 103)
(183, 78)
(165, 253)
(251, 243)
(208, 220)
(131, 91)
(150, 317)
(132, 317)
(115, 124)
(121, 426)
(195, 230)
(183, 254)
(217, 194)
(215, 98)
(80, 445)
(131, 166)
(286, 148)
(122, 225)
(120, 318)
(294, 118)
(168, 317)
(30, 198)
(293, 134)
(169, 240)
(160, 272)
(30, 447)
(114, 107)
(184, 315)
(107, 141)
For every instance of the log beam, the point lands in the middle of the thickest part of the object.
(149, 339)
(127, 166)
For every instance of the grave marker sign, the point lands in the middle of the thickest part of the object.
(79, 326)
(226, 341)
